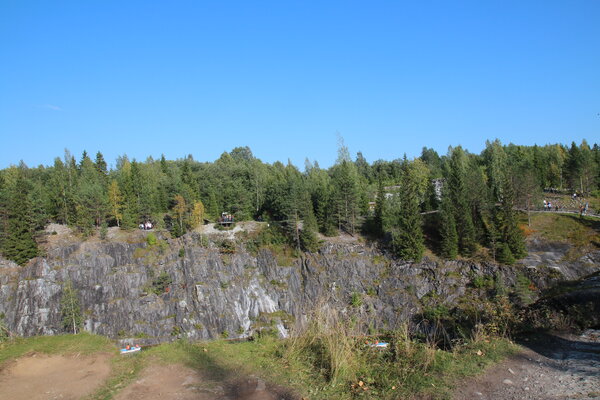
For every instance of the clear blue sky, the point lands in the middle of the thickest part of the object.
(194, 77)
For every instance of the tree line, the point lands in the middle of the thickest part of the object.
(475, 196)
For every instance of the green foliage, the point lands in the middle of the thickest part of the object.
(18, 244)
(4, 332)
(356, 300)
(435, 313)
(379, 209)
(151, 239)
(479, 196)
(103, 230)
(70, 309)
(160, 284)
(449, 235)
(524, 290)
(483, 282)
(407, 231)
(505, 255)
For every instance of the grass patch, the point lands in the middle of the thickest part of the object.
(60, 344)
(318, 364)
(571, 229)
(583, 233)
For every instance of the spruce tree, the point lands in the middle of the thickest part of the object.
(457, 189)
(346, 195)
(448, 234)
(19, 244)
(511, 234)
(407, 234)
(101, 166)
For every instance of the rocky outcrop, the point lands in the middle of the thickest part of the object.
(201, 289)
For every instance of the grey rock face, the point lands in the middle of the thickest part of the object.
(211, 293)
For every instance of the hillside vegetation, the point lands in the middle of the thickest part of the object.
(456, 204)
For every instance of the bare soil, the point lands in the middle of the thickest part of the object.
(551, 366)
(159, 382)
(39, 376)
(168, 382)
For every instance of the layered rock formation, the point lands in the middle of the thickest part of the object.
(199, 288)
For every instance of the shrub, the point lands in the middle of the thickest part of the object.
(524, 290)
(161, 283)
(481, 282)
(151, 239)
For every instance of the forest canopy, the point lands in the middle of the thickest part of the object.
(457, 202)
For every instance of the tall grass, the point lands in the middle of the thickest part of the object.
(328, 341)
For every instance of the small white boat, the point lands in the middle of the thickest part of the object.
(131, 349)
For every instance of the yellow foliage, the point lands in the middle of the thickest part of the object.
(197, 214)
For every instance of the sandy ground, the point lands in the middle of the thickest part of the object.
(551, 366)
(38, 376)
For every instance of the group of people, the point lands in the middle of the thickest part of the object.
(146, 226)
(226, 218)
(548, 206)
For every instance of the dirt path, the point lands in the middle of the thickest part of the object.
(550, 367)
(159, 382)
(39, 376)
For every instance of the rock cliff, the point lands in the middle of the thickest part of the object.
(200, 288)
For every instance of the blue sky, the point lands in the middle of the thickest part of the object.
(283, 77)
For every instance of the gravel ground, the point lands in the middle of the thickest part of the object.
(551, 366)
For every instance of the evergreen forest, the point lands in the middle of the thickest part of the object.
(456, 204)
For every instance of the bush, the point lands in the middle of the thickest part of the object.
(481, 282)
(524, 290)
(161, 283)
(151, 239)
